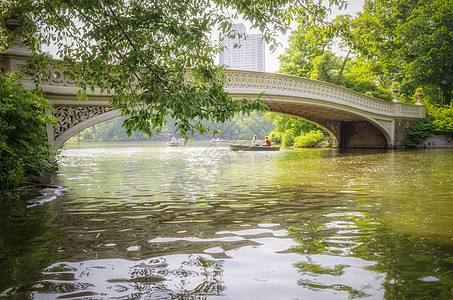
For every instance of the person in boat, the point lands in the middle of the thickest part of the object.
(267, 142)
(255, 141)
(173, 139)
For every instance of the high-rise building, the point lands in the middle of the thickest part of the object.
(247, 55)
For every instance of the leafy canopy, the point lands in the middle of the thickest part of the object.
(142, 51)
(412, 41)
(310, 55)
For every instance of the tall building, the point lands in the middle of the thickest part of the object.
(248, 55)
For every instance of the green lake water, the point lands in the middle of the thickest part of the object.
(147, 221)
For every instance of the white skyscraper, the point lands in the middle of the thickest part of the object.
(248, 56)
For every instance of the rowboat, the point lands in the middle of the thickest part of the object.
(236, 147)
(217, 140)
(173, 144)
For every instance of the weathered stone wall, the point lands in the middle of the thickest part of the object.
(361, 135)
(401, 132)
(436, 141)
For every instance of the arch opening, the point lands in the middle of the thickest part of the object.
(362, 134)
(240, 128)
(359, 133)
(348, 128)
(329, 128)
(78, 127)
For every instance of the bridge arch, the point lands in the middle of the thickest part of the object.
(70, 126)
(332, 133)
(334, 130)
(73, 120)
(353, 119)
(346, 126)
(371, 126)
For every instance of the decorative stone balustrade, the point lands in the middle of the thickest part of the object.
(249, 82)
(312, 89)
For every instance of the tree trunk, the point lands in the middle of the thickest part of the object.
(342, 68)
(447, 97)
(326, 74)
(446, 94)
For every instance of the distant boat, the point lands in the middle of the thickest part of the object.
(217, 140)
(236, 147)
(173, 144)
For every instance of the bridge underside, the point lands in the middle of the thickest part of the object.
(348, 129)
(361, 134)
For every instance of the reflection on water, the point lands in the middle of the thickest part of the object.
(145, 221)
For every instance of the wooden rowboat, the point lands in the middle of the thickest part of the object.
(236, 147)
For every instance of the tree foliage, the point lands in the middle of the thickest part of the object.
(442, 119)
(142, 51)
(419, 131)
(24, 149)
(309, 139)
(439, 122)
(397, 40)
(310, 54)
(289, 129)
(409, 42)
(412, 41)
(241, 127)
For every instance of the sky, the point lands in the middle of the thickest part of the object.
(272, 63)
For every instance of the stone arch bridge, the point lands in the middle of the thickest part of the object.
(354, 120)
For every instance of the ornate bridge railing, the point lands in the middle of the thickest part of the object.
(312, 89)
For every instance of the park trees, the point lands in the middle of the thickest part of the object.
(240, 127)
(291, 131)
(311, 54)
(24, 150)
(394, 40)
(406, 41)
(413, 42)
(141, 51)
(314, 53)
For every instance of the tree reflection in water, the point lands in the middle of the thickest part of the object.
(183, 223)
(182, 278)
(404, 264)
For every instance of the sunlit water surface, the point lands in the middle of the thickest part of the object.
(147, 221)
